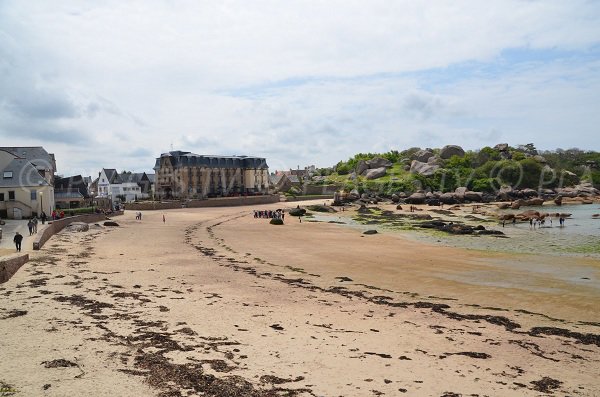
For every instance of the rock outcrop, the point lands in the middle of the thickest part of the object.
(418, 167)
(423, 155)
(416, 198)
(451, 150)
(376, 173)
(378, 162)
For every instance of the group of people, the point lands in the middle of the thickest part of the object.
(539, 222)
(57, 215)
(270, 214)
(32, 225)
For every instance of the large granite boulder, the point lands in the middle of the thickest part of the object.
(423, 155)
(378, 162)
(451, 150)
(540, 159)
(418, 167)
(376, 173)
(501, 147)
(528, 192)
(297, 212)
(505, 193)
(448, 198)
(434, 160)
(567, 192)
(535, 201)
(459, 192)
(529, 214)
(416, 198)
(361, 167)
(586, 189)
(474, 196)
(515, 205)
(354, 194)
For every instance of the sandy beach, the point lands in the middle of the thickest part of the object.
(213, 302)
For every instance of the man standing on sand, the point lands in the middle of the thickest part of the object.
(17, 239)
(164, 220)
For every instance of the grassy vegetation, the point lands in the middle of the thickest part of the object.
(483, 170)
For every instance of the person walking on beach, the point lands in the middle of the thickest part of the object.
(30, 227)
(44, 217)
(17, 240)
(35, 223)
(164, 219)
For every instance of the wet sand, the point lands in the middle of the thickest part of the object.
(215, 302)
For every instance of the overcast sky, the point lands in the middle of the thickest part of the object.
(115, 83)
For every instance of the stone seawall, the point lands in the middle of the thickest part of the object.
(58, 225)
(313, 197)
(217, 202)
(10, 264)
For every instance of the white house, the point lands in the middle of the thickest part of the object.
(124, 187)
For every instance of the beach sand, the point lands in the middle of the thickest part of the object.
(214, 302)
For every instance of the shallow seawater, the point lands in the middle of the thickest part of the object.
(579, 237)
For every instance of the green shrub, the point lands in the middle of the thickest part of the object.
(488, 185)
(79, 211)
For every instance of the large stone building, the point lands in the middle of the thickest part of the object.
(188, 175)
(26, 181)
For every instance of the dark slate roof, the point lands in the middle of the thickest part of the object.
(293, 178)
(37, 155)
(67, 194)
(72, 183)
(274, 179)
(183, 159)
(23, 174)
(151, 177)
(112, 175)
(135, 177)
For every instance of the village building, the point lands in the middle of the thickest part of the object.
(71, 192)
(124, 187)
(26, 182)
(187, 175)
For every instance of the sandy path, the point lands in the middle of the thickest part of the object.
(151, 308)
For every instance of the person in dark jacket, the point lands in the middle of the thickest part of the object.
(17, 239)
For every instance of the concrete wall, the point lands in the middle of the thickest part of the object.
(58, 225)
(10, 264)
(218, 202)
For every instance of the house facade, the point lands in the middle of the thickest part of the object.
(124, 187)
(26, 182)
(71, 192)
(181, 174)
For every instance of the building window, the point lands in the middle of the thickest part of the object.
(11, 195)
(33, 195)
(1, 196)
(7, 174)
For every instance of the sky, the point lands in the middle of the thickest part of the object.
(114, 84)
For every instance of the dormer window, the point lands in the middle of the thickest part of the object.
(7, 174)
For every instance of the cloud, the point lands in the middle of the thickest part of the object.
(115, 83)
